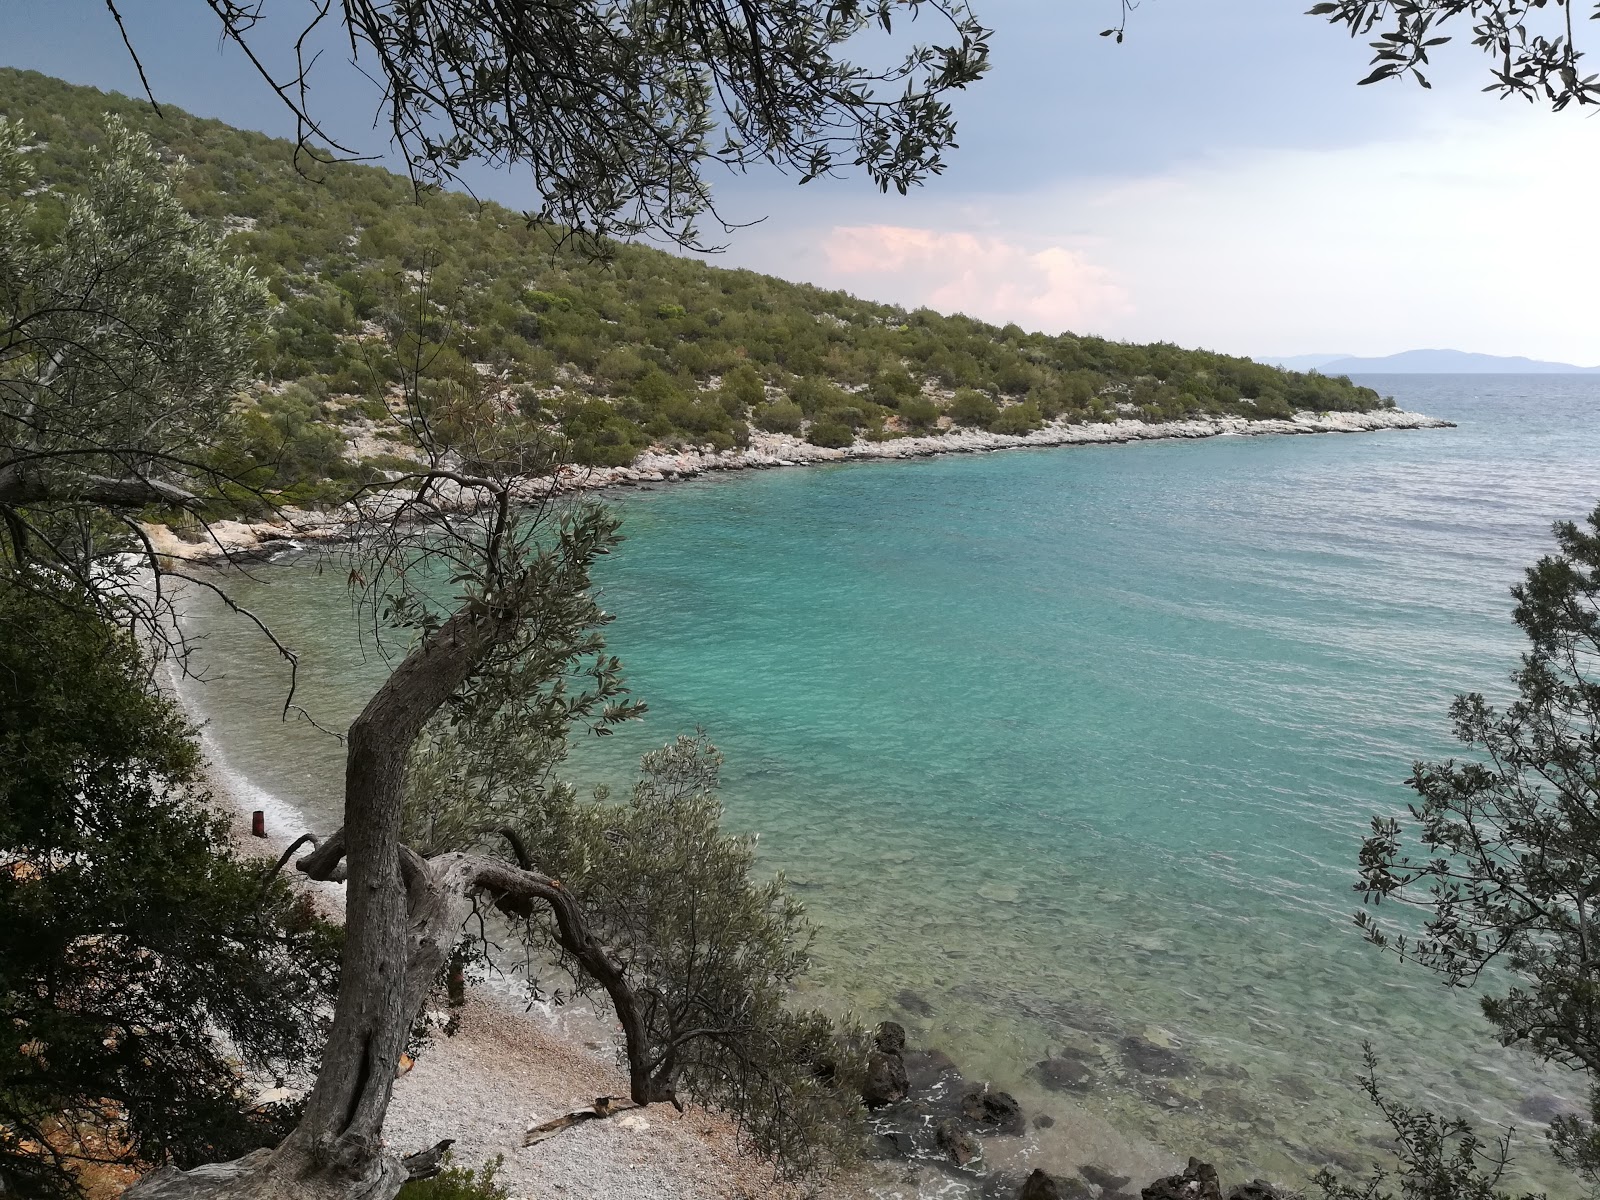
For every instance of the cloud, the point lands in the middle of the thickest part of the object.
(982, 275)
(1467, 232)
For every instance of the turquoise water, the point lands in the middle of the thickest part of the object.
(1076, 744)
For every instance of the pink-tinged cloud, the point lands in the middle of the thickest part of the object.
(983, 276)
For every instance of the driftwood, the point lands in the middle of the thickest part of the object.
(603, 1107)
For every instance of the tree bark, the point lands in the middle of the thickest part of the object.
(399, 929)
(403, 917)
(22, 485)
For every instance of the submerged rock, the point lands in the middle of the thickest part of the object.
(995, 1112)
(956, 1142)
(1043, 1121)
(1546, 1107)
(1104, 1177)
(913, 1003)
(1147, 1058)
(1066, 1072)
(1040, 1186)
(931, 1070)
(1197, 1182)
(1256, 1189)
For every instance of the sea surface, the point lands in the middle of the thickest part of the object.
(1062, 747)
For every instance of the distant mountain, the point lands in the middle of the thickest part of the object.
(1304, 362)
(1431, 362)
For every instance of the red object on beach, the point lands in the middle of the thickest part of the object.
(258, 823)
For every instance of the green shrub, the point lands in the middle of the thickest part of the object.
(817, 395)
(831, 434)
(919, 413)
(1018, 419)
(459, 1183)
(781, 416)
(973, 409)
(743, 386)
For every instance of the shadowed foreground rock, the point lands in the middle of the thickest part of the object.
(1198, 1182)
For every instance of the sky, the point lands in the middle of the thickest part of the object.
(1216, 180)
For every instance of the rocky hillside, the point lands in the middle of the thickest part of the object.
(646, 350)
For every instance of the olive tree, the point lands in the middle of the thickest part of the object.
(616, 110)
(1506, 874)
(126, 331)
(1532, 45)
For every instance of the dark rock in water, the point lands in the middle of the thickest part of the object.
(1294, 1087)
(1231, 1071)
(1167, 1097)
(1000, 1185)
(1256, 1189)
(1043, 1121)
(893, 1143)
(890, 1037)
(1067, 1072)
(1198, 1182)
(1542, 1106)
(1104, 1178)
(913, 1003)
(955, 1142)
(995, 1112)
(886, 1080)
(903, 1130)
(927, 1069)
(1230, 1103)
(1147, 1058)
(1040, 1186)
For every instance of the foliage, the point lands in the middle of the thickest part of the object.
(973, 409)
(1439, 1158)
(125, 333)
(459, 1183)
(615, 110)
(834, 434)
(1510, 842)
(781, 416)
(542, 332)
(142, 963)
(671, 897)
(1533, 46)
(1018, 419)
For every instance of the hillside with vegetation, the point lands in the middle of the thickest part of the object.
(643, 349)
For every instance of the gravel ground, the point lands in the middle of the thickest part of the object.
(505, 1071)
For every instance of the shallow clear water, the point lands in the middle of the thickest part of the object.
(1076, 743)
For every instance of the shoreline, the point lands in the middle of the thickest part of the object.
(295, 527)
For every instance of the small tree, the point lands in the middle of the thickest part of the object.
(142, 963)
(125, 334)
(1509, 876)
(710, 954)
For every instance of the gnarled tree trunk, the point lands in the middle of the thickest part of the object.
(398, 932)
(404, 916)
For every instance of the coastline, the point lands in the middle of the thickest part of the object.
(294, 527)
